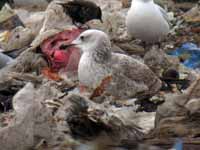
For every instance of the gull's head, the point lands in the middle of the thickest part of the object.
(91, 40)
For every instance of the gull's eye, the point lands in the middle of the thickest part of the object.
(82, 38)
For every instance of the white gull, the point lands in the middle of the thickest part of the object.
(147, 21)
(129, 76)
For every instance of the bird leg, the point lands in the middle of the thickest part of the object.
(144, 44)
(159, 44)
(147, 47)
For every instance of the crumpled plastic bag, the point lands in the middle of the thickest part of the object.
(189, 54)
(59, 59)
(4, 60)
(8, 19)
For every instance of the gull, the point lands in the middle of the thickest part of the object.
(147, 21)
(128, 77)
(5, 60)
(82, 11)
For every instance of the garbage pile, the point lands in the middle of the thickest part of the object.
(43, 104)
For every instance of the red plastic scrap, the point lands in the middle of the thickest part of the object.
(50, 74)
(59, 59)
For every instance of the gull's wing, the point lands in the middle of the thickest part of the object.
(164, 13)
(135, 72)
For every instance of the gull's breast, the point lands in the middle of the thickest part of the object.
(91, 73)
(145, 22)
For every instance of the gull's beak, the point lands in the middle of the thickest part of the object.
(64, 47)
(78, 44)
(74, 43)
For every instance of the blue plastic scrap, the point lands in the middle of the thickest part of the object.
(178, 145)
(193, 51)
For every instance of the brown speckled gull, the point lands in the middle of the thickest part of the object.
(129, 76)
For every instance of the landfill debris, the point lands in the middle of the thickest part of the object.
(4, 60)
(172, 77)
(40, 4)
(60, 57)
(95, 114)
(43, 106)
(189, 55)
(55, 18)
(51, 74)
(126, 3)
(179, 1)
(3, 2)
(29, 118)
(18, 38)
(8, 19)
(159, 61)
(31, 19)
(14, 53)
(193, 15)
(4, 36)
(172, 119)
